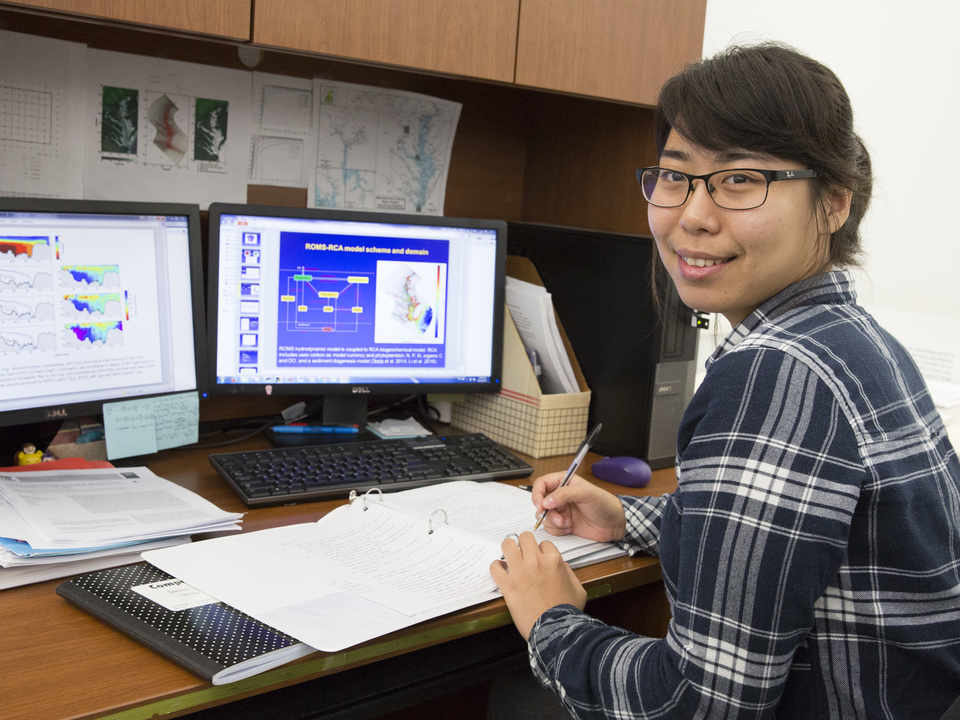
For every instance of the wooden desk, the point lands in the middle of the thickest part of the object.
(60, 662)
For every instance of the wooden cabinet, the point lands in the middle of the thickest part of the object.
(221, 18)
(616, 49)
(474, 38)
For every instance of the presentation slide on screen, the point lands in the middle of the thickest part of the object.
(347, 302)
(79, 310)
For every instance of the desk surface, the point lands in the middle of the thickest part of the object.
(60, 662)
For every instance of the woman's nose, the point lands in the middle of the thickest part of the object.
(699, 211)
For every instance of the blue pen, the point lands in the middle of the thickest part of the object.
(314, 429)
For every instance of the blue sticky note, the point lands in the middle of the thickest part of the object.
(177, 419)
(142, 427)
(129, 428)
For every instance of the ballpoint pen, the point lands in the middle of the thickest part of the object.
(315, 429)
(577, 459)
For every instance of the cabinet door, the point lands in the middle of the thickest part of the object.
(616, 49)
(475, 38)
(223, 18)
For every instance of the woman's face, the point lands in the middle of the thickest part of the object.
(731, 261)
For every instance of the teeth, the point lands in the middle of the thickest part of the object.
(700, 262)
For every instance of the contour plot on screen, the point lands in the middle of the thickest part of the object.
(344, 301)
(410, 296)
(25, 246)
(82, 276)
(87, 306)
(94, 334)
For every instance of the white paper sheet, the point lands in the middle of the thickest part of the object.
(532, 310)
(283, 136)
(165, 130)
(42, 93)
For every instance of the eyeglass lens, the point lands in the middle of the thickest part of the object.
(731, 189)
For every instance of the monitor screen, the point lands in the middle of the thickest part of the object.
(326, 302)
(99, 301)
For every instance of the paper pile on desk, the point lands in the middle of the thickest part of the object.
(64, 522)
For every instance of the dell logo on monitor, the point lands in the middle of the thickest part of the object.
(55, 414)
(362, 389)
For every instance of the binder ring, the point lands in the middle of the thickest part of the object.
(353, 496)
(430, 523)
(507, 537)
(365, 508)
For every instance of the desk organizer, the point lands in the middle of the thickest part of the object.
(520, 416)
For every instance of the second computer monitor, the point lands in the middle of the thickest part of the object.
(349, 304)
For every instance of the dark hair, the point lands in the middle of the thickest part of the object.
(772, 99)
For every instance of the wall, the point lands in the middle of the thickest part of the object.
(898, 62)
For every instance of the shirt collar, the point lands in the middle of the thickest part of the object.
(831, 288)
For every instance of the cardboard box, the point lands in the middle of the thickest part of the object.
(520, 416)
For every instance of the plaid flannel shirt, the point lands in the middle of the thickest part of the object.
(811, 552)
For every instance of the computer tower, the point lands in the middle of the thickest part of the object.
(640, 365)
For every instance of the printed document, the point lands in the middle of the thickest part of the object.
(99, 507)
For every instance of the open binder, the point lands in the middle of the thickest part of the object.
(378, 564)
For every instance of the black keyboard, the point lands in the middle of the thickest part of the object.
(287, 475)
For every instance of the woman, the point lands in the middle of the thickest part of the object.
(811, 553)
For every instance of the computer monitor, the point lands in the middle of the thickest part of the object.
(99, 301)
(345, 305)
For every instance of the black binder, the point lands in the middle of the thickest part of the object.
(215, 641)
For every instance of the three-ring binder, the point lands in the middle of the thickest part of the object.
(354, 496)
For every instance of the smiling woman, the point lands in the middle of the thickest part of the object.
(810, 551)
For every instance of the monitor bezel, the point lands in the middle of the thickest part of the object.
(66, 411)
(217, 210)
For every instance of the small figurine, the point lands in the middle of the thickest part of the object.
(29, 455)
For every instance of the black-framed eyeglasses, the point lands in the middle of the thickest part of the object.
(734, 189)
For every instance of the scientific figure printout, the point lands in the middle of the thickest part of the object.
(42, 91)
(382, 150)
(283, 138)
(164, 130)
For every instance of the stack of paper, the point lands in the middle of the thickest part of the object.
(532, 309)
(64, 522)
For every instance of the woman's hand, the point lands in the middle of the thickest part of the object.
(580, 508)
(534, 578)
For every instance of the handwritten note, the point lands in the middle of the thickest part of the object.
(143, 427)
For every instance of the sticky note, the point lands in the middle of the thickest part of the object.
(145, 426)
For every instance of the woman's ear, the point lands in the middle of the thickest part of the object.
(838, 209)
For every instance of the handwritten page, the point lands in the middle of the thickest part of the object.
(146, 426)
(391, 559)
(129, 429)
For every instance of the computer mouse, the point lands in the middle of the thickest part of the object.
(626, 471)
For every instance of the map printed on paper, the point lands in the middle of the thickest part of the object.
(381, 149)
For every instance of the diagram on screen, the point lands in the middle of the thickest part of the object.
(408, 298)
(102, 306)
(328, 301)
(20, 341)
(89, 276)
(34, 247)
(93, 335)
(23, 309)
